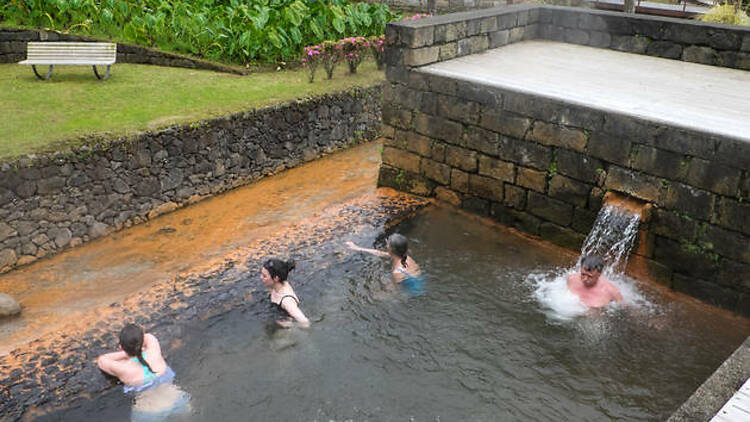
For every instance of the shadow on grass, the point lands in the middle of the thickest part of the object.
(60, 75)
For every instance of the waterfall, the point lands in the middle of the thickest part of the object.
(612, 237)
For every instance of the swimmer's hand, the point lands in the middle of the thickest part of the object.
(353, 247)
(289, 323)
(284, 323)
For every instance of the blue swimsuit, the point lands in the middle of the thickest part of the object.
(413, 285)
(150, 379)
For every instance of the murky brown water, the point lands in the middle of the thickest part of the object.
(56, 291)
(476, 346)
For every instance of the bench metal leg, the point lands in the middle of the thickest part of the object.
(100, 77)
(45, 77)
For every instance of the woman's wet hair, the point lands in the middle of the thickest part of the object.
(399, 246)
(279, 268)
(592, 262)
(131, 341)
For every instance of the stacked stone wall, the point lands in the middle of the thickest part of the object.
(543, 166)
(669, 38)
(56, 201)
(13, 49)
(442, 6)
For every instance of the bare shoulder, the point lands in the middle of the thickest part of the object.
(150, 341)
(571, 279)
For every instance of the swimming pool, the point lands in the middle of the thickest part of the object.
(478, 345)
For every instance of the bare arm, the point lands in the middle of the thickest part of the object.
(151, 344)
(616, 295)
(382, 254)
(291, 307)
(111, 362)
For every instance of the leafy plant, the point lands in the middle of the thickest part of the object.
(727, 13)
(238, 31)
(332, 53)
(354, 50)
(377, 47)
(311, 60)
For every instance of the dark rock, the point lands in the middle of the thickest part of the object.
(569, 190)
(638, 185)
(694, 202)
(550, 209)
(615, 149)
(476, 205)
(579, 166)
(660, 163)
(715, 177)
(670, 224)
(665, 49)
(704, 55)
(561, 236)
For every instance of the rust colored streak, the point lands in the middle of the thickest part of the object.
(56, 291)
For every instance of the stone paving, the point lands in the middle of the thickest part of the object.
(689, 95)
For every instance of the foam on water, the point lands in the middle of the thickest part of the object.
(611, 238)
(559, 304)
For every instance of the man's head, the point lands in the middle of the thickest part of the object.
(591, 269)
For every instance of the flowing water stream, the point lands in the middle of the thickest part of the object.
(479, 345)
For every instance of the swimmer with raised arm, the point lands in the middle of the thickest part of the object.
(594, 290)
(140, 366)
(274, 276)
(406, 271)
(139, 363)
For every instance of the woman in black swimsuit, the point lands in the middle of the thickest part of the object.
(273, 275)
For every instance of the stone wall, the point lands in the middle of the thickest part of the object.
(52, 202)
(442, 6)
(13, 49)
(670, 38)
(543, 166)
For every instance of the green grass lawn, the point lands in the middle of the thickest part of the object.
(40, 116)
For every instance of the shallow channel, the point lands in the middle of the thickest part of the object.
(477, 346)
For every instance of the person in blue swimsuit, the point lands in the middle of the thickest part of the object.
(274, 275)
(139, 363)
(140, 366)
(406, 271)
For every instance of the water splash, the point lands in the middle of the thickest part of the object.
(612, 238)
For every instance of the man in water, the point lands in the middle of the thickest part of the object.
(594, 290)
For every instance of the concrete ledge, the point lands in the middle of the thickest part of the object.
(717, 389)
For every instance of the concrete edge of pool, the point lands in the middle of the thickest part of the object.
(717, 389)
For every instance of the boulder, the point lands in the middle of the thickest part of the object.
(8, 306)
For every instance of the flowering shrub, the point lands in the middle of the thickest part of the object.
(311, 60)
(354, 50)
(331, 54)
(377, 48)
(416, 16)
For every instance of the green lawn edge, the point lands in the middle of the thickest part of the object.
(74, 108)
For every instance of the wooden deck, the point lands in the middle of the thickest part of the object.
(737, 409)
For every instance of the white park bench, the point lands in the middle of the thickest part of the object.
(70, 53)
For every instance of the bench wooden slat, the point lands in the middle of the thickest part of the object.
(70, 62)
(104, 56)
(70, 53)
